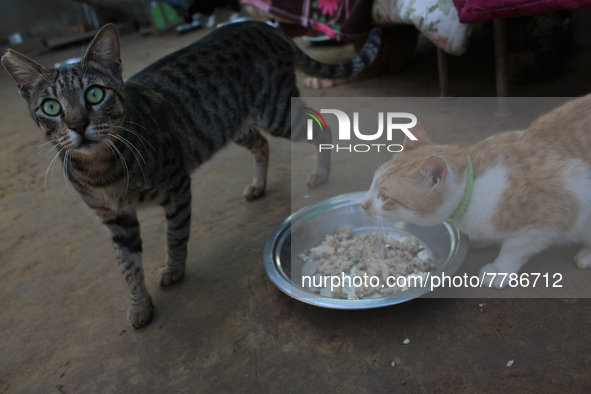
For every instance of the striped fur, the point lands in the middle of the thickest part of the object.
(396, 46)
(141, 142)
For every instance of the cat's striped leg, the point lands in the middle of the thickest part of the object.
(299, 132)
(125, 235)
(296, 130)
(321, 171)
(258, 145)
(177, 205)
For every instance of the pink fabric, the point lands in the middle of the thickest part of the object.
(342, 20)
(474, 11)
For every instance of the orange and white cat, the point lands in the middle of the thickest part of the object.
(531, 188)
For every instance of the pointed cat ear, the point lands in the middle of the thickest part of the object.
(422, 138)
(105, 50)
(25, 72)
(432, 173)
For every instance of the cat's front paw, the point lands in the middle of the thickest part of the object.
(252, 192)
(315, 179)
(140, 315)
(491, 277)
(170, 274)
(583, 258)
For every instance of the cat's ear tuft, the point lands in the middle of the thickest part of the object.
(422, 138)
(25, 72)
(105, 50)
(433, 172)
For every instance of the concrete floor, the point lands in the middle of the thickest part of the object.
(225, 327)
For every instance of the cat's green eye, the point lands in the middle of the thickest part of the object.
(94, 95)
(51, 107)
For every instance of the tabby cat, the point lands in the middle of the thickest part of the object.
(125, 144)
(524, 189)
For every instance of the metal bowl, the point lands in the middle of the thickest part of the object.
(309, 226)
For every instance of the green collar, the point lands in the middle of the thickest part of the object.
(455, 217)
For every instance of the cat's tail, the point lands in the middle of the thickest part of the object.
(342, 70)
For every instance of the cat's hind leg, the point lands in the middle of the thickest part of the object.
(177, 206)
(515, 252)
(258, 145)
(125, 235)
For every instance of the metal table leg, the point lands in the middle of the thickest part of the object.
(443, 73)
(500, 37)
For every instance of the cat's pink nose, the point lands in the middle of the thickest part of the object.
(365, 204)
(79, 126)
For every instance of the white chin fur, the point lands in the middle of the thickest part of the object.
(86, 145)
(89, 147)
(403, 215)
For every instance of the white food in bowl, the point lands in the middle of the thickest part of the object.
(385, 257)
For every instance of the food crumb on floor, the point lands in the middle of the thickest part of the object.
(406, 341)
(510, 363)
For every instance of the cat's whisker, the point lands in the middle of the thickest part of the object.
(45, 143)
(46, 173)
(110, 148)
(141, 137)
(129, 145)
(137, 124)
(365, 184)
(122, 161)
(389, 223)
(378, 222)
(381, 224)
(376, 161)
(387, 226)
(67, 156)
(132, 148)
(43, 152)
